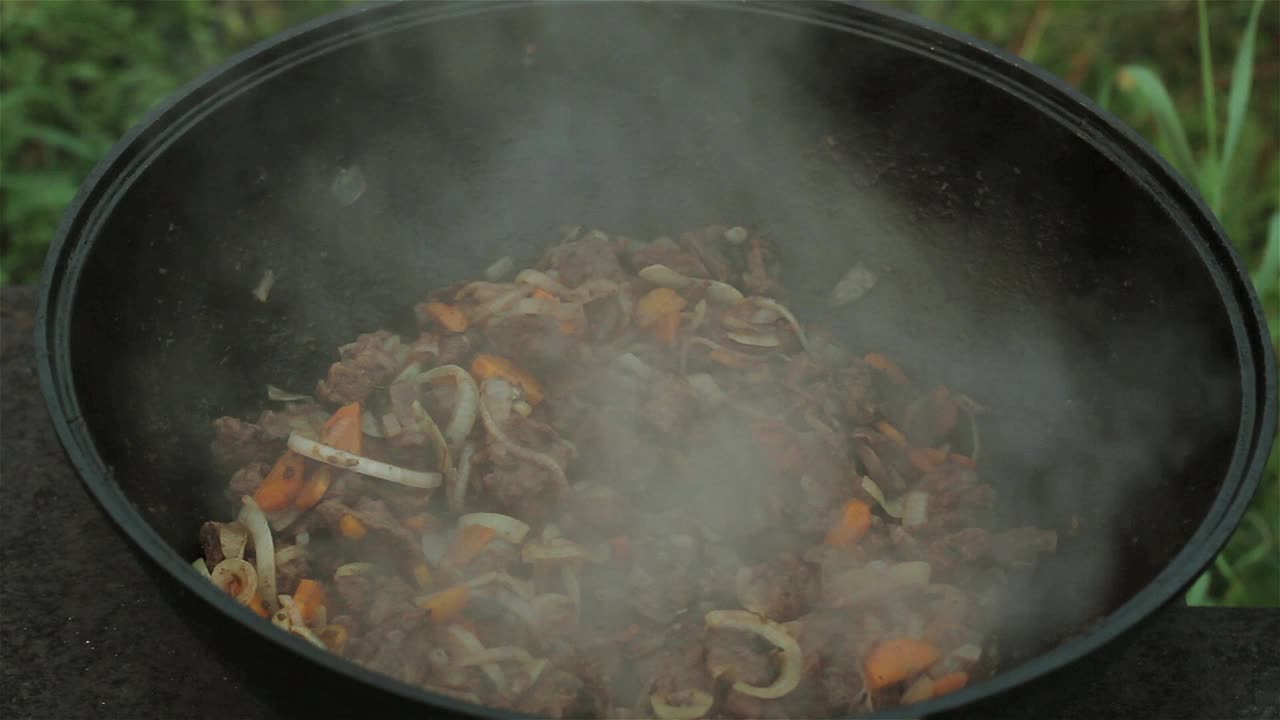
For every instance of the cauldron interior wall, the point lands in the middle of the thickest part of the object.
(1007, 245)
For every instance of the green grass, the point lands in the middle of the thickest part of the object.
(75, 75)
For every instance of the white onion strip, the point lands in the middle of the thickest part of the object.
(506, 527)
(693, 705)
(289, 619)
(363, 465)
(464, 412)
(554, 550)
(500, 387)
(894, 509)
(444, 461)
(232, 537)
(915, 509)
(542, 281)
(571, 586)
(264, 551)
(455, 491)
(520, 587)
(471, 645)
(505, 653)
(777, 307)
(790, 657)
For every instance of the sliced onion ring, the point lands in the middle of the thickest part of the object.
(233, 537)
(771, 304)
(236, 570)
(499, 388)
(466, 406)
(521, 588)
(693, 704)
(790, 658)
(506, 527)
(264, 551)
(363, 465)
(470, 646)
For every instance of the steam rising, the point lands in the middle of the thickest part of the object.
(665, 123)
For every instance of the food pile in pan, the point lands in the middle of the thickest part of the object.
(626, 482)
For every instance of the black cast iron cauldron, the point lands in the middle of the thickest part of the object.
(1032, 251)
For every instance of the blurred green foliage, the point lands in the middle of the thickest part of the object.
(74, 76)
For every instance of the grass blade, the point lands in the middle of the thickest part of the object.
(1267, 273)
(1198, 594)
(1146, 85)
(1238, 99)
(1210, 103)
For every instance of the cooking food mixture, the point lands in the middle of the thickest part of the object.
(626, 483)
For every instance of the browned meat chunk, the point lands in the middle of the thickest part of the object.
(519, 487)
(668, 405)
(735, 657)
(354, 592)
(857, 385)
(534, 342)
(455, 349)
(761, 275)
(290, 573)
(247, 479)
(391, 596)
(711, 248)
(365, 364)
(785, 589)
(560, 693)
(211, 544)
(586, 259)
(237, 443)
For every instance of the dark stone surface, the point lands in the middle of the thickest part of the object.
(85, 633)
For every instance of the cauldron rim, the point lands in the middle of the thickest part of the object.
(112, 177)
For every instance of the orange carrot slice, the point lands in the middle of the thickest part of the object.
(416, 523)
(887, 366)
(351, 527)
(854, 522)
(950, 683)
(422, 574)
(927, 459)
(666, 329)
(467, 544)
(446, 605)
(896, 660)
(486, 366)
(343, 431)
(314, 488)
(282, 484)
(256, 605)
(449, 317)
(334, 637)
(657, 304)
(309, 597)
(887, 429)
